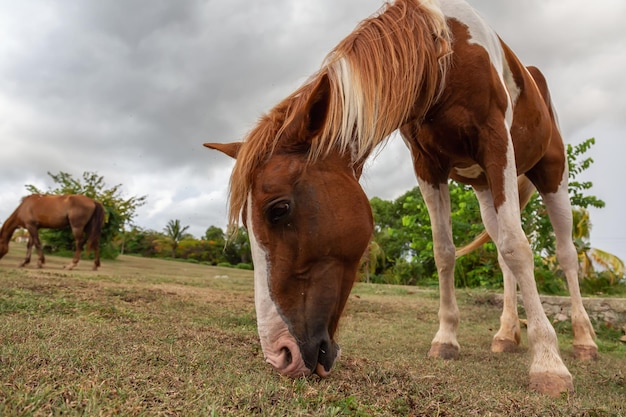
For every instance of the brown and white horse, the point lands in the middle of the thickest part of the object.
(468, 110)
(82, 214)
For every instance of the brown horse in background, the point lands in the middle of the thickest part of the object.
(84, 215)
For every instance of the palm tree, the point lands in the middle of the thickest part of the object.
(175, 233)
(589, 258)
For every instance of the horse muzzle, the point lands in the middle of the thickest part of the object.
(320, 356)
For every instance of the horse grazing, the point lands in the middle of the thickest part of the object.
(468, 110)
(84, 215)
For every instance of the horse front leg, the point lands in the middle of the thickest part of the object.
(34, 240)
(560, 213)
(29, 251)
(508, 337)
(437, 198)
(548, 373)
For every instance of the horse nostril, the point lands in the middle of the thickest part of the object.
(323, 349)
(287, 355)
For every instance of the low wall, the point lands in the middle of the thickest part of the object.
(603, 310)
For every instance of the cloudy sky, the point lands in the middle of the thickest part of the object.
(132, 89)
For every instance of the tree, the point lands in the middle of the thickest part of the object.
(404, 234)
(402, 230)
(119, 211)
(141, 242)
(175, 232)
(373, 256)
(475, 269)
(237, 250)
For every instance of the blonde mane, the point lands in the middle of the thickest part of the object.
(389, 70)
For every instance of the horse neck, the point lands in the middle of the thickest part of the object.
(9, 226)
(392, 78)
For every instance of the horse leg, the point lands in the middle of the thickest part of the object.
(34, 240)
(560, 212)
(78, 238)
(29, 251)
(548, 373)
(96, 257)
(508, 337)
(437, 198)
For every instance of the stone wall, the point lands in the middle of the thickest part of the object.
(610, 311)
(602, 310)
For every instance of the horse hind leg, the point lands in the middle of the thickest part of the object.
(560, 213)
(78, 237)
(96, 259)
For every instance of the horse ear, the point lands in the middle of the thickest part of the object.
(307, 122)
(230, 149)
(317, 106)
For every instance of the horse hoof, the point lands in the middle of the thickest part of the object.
(551, 384)
(443, 351)
(503, 346)
(585, 352)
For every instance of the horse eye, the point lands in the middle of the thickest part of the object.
(279, 211)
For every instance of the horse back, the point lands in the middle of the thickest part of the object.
(56, 211)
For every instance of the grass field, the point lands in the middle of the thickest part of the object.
(145, 337)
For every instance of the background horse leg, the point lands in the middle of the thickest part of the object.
(34, 240)
(444, 344)
(29, 251)
(560, 212)
(78, 238)
(508, 337)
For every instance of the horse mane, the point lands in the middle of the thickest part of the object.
(390, 69)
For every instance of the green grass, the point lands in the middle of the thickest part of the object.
(147, 337)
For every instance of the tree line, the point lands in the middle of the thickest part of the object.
(401, 250)
(213, 248)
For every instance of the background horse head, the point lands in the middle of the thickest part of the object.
(82, 214)
(468, 110)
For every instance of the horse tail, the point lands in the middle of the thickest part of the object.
(525, 190)
(95, 230)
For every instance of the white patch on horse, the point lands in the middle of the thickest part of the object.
(280, 348)
(480, 33)
(267, 314)
(473, 171)
(509, 82)
(483, 35)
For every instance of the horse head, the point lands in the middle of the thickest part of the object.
(5, 236)
(309, 223)
(4, 248)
